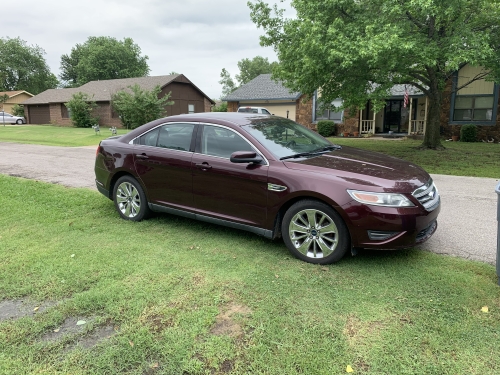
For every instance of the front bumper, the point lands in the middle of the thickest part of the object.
(406, 226)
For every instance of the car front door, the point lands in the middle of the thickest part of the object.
(162, 161)
(223, 189)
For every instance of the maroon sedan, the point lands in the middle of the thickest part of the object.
(270, 176)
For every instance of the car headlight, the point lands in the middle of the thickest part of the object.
(380, 199)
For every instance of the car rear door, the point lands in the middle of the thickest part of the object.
(226, 190)
(162, 161)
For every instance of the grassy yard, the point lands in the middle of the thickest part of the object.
(54, 135)
(174, 296)
(460, 159)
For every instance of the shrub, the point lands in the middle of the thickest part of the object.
(220, 108)
(326, 128)
(80, 109)
(468, 133)
(18, 110)
(137, 106)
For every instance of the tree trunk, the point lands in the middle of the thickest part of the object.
(432, 137)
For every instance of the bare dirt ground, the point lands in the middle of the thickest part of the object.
(467, 224)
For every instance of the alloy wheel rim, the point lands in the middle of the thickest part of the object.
(313, 233)
(128, 199)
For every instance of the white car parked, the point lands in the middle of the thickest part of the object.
(7, 118)
(260, 110)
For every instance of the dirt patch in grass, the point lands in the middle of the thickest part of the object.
(226, 325)
(77, 326)
(18, 308)
(99, 334)
(70, 326)
(357, 330)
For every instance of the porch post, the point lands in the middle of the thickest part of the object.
(373, 123)
(409, 117)
(360, 126)
(425, 117)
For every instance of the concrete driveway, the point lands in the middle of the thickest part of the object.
(467, 222)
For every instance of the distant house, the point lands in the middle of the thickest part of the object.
(15, 97)
(263, 91)
(48, 107)
(475, 103)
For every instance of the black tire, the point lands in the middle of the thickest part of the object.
(19, 122)
(314, 232)
(130, 200)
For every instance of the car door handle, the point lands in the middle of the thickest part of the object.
(141, 156)
(203, 166)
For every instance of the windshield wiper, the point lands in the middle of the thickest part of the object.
(312, 153)
(329, 148)
(299, 155)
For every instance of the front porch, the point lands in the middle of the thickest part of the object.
(395, 117)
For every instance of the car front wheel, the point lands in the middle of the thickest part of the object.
(315, 232)
(19, 122)
(130, 200)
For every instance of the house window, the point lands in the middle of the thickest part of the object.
(473, 108)
(190, 108)
(65, 111)
(476, 103)
(322, 113)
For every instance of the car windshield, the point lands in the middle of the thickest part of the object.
(285, 138)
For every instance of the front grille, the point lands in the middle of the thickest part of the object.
(428, 196)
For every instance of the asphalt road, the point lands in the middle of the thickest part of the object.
(467, 224)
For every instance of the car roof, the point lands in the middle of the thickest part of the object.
(231, 119)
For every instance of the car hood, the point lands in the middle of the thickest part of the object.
(360, 167)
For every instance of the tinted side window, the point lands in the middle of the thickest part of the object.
(176, 136)
(265, 111)
(148, 139)
(222, 142)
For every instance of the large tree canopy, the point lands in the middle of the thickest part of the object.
(358, 49)
(101, 58)
(23, 67)
(249, 69)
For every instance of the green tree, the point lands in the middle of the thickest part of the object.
(18, 110)
(23, 67)
(222, 107)
(358, 49)
(101, 58)
(81, 107)
(137, 106)
(249, 69)
(228, 85)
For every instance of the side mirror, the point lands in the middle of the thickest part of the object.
(245, 157)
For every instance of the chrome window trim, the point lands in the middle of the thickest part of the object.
(131, 142)
(241, 135)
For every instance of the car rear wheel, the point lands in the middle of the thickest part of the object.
(315, 232)
(130, 200)
(19, 122)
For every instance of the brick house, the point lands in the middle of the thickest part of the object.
(477, 103)
(48, 107)
(262, 91)
(15, 97)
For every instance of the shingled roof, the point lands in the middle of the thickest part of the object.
(262, 87)
(102, 91)
(399, 90)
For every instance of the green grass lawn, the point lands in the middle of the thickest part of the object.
(460, 159)
(54, 135)
(183, 297)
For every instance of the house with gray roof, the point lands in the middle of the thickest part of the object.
(263, 91)
(48, 107)
(469, 102)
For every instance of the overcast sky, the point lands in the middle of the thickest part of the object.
(194, 37)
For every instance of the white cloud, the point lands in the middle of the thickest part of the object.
(193, 37)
